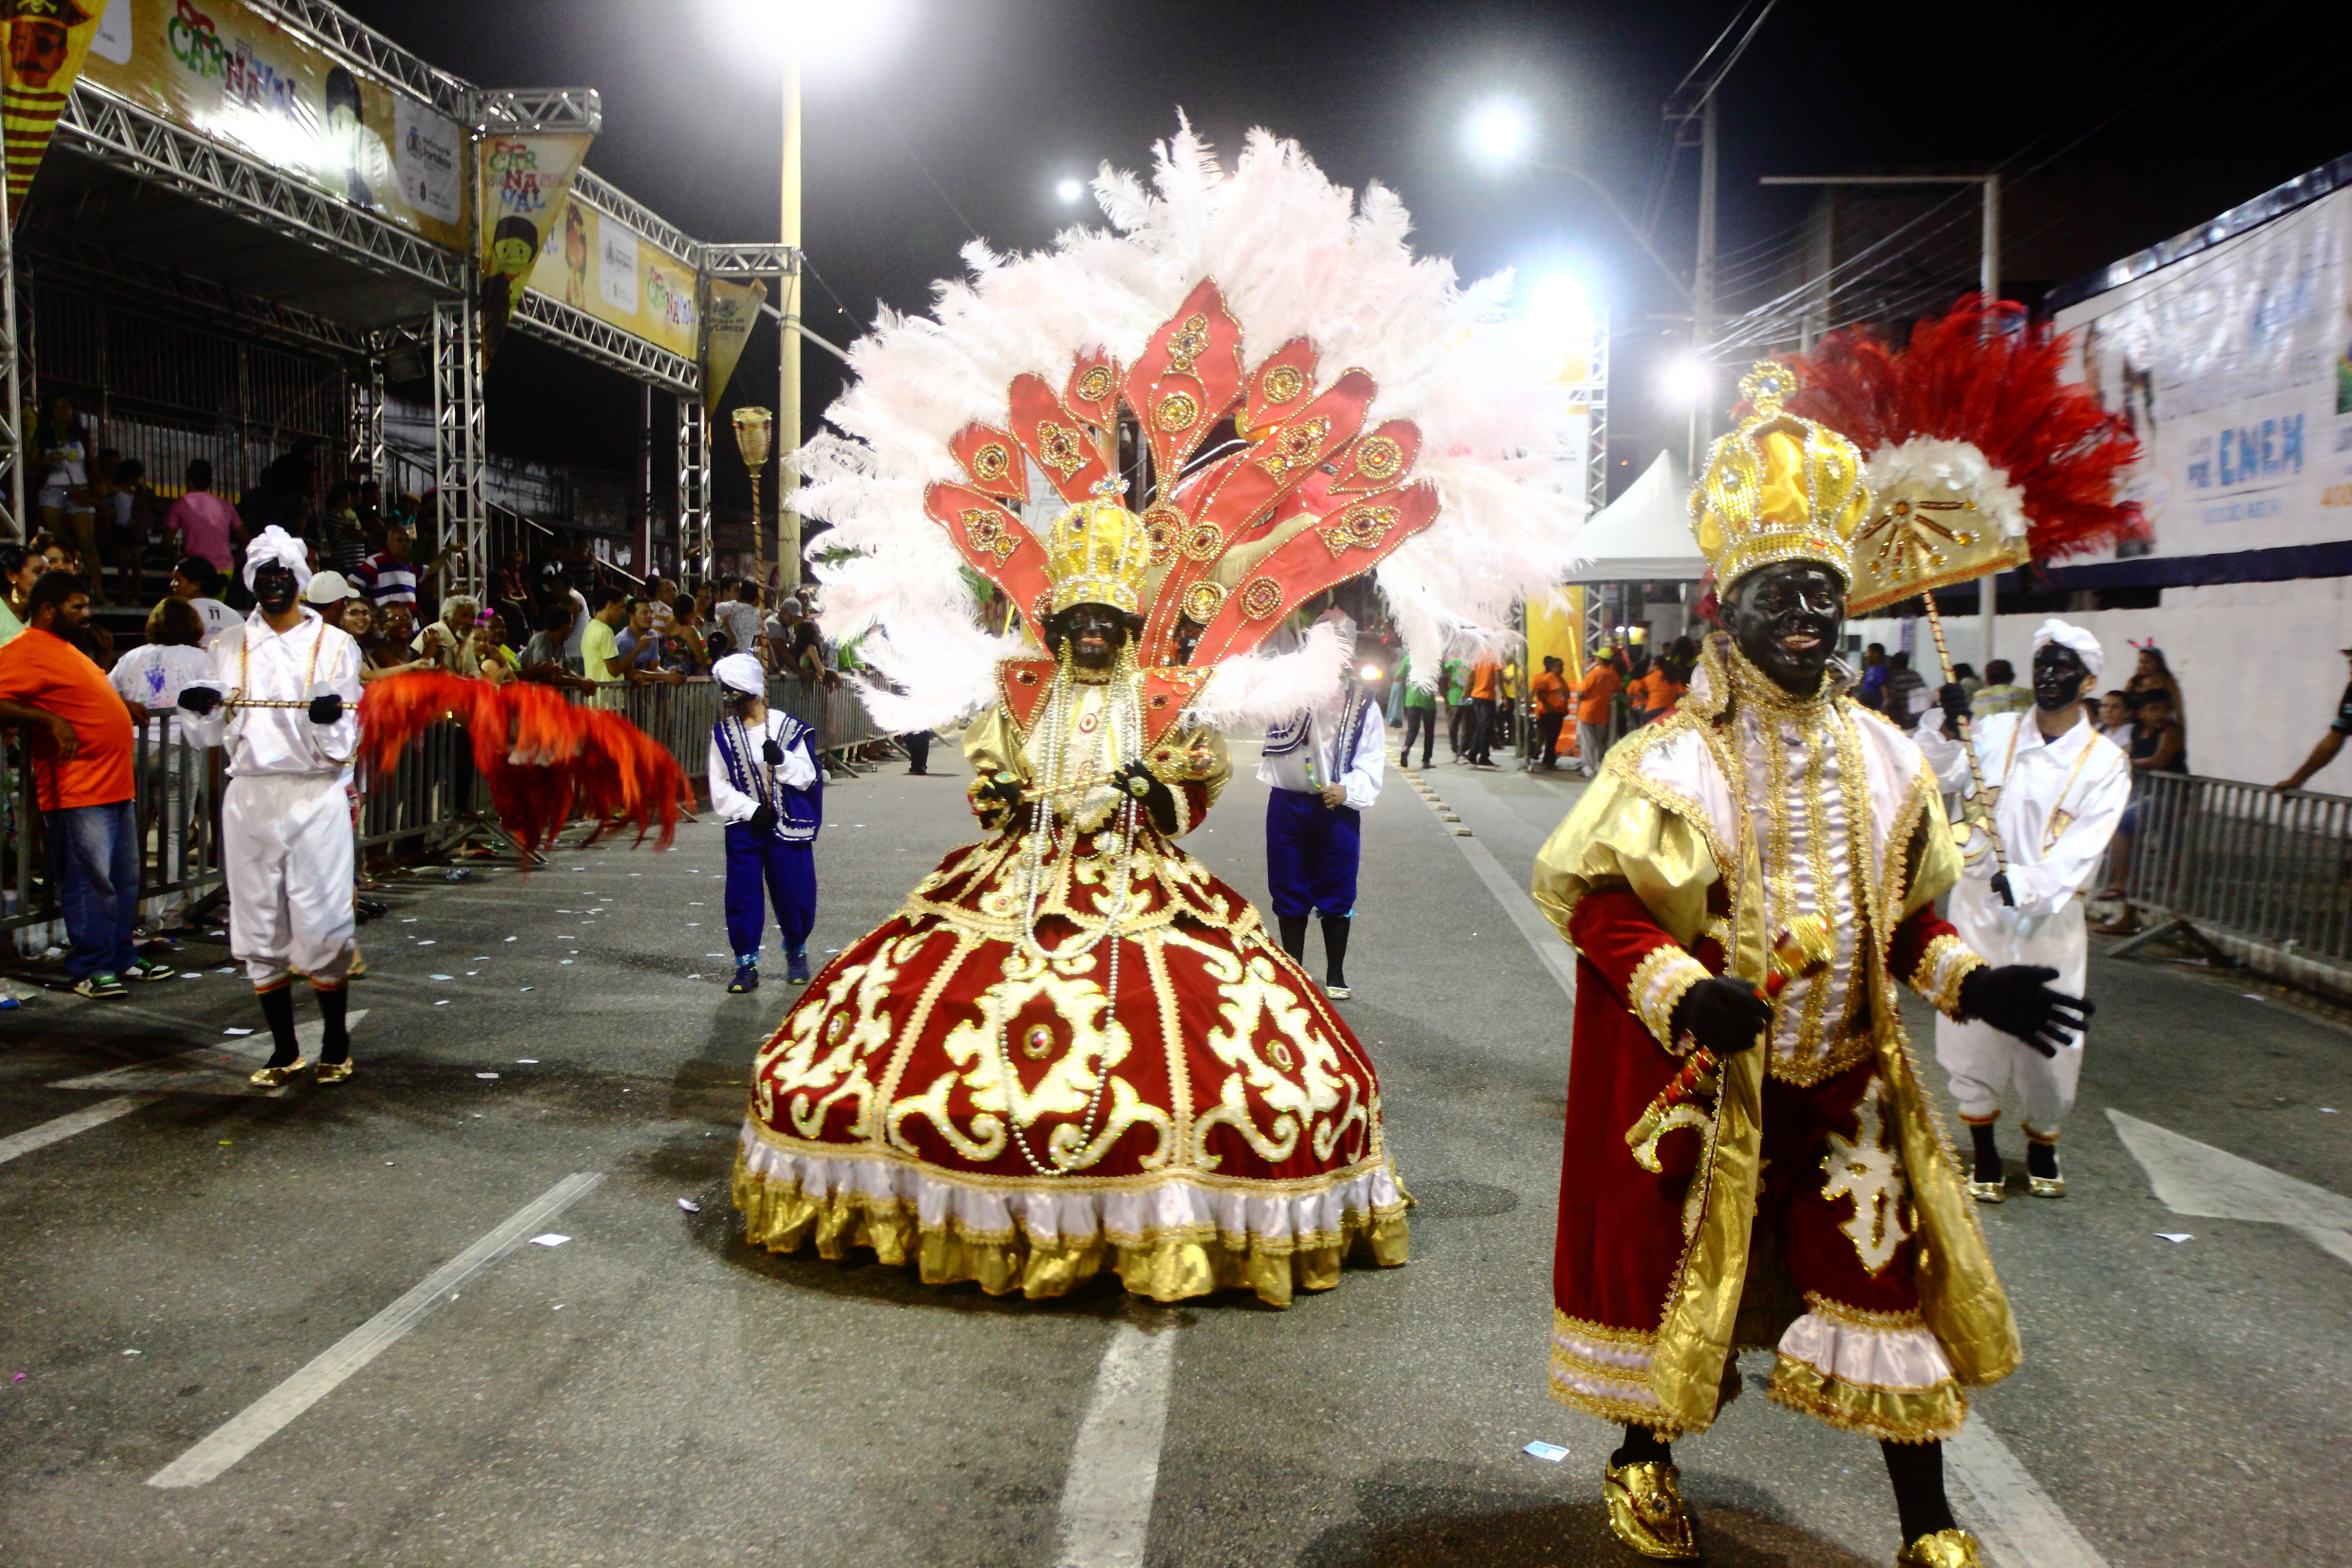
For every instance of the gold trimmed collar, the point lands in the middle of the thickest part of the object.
(1728, 678)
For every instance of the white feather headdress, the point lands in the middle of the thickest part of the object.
(1293, 257)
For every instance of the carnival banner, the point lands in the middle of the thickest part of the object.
(526, 181)
(46, 44)
(608, 270)
(2233, 365)
(228, 71)
(734, 308)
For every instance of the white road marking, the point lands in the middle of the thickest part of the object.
(65, 1127)
(202, 1069)
(2196, 1178)
(2010, 1513)
(1520, 905)
(265, 1416)
(1115, 1465)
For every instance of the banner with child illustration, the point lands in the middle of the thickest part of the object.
(526, 183)
(48, 40)
(602, 268)
(230, 72)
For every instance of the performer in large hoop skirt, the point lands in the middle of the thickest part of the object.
(1073, 1048)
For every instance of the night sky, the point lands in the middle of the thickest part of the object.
(2117, 126)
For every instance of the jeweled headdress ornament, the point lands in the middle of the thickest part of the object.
(1248, 391)
(1778, 488)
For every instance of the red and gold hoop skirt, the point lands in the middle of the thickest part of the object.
(942, 1096)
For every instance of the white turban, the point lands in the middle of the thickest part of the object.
(2055, 630)
(740, 672)
(274, 546)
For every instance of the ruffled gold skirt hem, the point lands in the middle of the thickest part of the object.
(1894, 1414)
(1166, 1266)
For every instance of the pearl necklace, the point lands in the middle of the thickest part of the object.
(1119, 733)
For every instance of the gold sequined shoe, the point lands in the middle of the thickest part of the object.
(1988, 1192)
(1944, 1548)
(1647, 1513)
(334, 1072)
(278, 1078)
(2048, 1187)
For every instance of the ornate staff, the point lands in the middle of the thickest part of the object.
(754, 432)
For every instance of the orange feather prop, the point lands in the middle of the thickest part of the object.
(546, 761)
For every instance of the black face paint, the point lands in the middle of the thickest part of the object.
(1094, 633)
(1785, 618)
(274, 589)
(2058, 676)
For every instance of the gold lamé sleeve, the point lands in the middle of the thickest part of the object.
(991, 745)
(1932, 861)
(1194, 756)
(1618, 836)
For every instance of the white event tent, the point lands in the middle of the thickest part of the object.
(1644, 535)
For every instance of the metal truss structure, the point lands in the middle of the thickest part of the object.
(760, 258)
(535, 110)
(698, 552)
(119, 133)
(365, 421)
(590, 189)
(11, 413)
(457, 441)
(1596, 469)
(338, 32)
(583, 334)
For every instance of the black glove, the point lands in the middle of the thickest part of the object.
(2007, 894)
(199, 700)
(326, 709)
(772, 752)
(1725, 1015)
(1002, 793)
(1955, 700)
(764, 821)
(1137, 783)
(2017, 1000)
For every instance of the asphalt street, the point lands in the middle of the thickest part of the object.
(310, 1326)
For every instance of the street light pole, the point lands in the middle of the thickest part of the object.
(788, 382)
(1988, 280)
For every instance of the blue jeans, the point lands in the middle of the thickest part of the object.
(789, 873)
(94, 858)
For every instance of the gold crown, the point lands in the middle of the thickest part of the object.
(1779, 488)
(1096, 553)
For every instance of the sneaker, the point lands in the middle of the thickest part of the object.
(747, 978)
(796, 968)
(102, 983)
(149, 969)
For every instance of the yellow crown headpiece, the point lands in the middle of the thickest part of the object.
(1779, 488)
(1096, 553)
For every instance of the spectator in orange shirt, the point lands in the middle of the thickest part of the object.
(81, 739)
(1549, 693)
(1592, 700)
(1484, 676)
(1637, 690)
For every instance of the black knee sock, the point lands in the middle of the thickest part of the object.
(1918, 1471)
(1642, 1444)
(335, 1045)
(2041, 1158)
(278, 1008)
(1293, 929)
(1335, 947)
(1988, 1157)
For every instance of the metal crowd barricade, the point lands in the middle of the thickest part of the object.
(2272, 865)
(175, 803)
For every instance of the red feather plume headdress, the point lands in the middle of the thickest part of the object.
(1975, 409)
(544, 759)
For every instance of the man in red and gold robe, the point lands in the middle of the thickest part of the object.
(1751, 1159)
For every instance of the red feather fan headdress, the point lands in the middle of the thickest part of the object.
(1972, 416)
(545, 760)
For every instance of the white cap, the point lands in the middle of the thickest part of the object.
(740, 672)
(2066, 634)
(329, 588)
(274, 546)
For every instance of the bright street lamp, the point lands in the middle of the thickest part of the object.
(1687, 382)
(1498, 134)
(1070, 191)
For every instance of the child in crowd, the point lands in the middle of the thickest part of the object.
(766, 786)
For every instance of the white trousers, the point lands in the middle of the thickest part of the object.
(1983, 1061)
(287, 841)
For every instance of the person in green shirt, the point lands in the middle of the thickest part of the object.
(1457, 703)
(600, 649)
(1420, 715)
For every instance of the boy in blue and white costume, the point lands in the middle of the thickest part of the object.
(766, 786)
(1323, 768)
